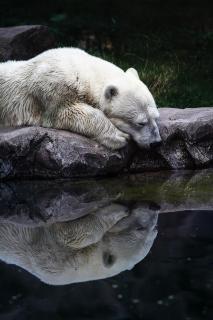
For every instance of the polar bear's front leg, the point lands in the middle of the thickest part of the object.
(85, 231)
(84, 119)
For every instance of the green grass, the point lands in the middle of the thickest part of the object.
(175, 81)
(175, 64)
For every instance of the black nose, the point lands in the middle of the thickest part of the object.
(155, 144)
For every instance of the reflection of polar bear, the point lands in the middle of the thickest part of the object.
(96, 246)
(67, 88)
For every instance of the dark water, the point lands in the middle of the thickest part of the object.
(138, 247)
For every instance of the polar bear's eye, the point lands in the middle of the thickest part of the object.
(141, 121)
(141, 124)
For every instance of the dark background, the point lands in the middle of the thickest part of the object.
(170, 43)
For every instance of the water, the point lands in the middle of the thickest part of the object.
(136, 247)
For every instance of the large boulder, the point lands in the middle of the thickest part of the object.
(48, 153)
(24, 42)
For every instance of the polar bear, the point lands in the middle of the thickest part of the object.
(67, 88)
(96, 246)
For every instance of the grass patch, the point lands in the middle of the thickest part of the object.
(175, 81)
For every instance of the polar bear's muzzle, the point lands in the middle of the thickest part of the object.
(145, 136)
(148, 136)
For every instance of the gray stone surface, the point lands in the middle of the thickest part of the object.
(49, 153)
(38, 152)
(187, 136)
(24, 42)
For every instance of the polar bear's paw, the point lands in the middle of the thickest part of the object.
(115, 140)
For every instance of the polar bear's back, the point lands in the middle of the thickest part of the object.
(74, 60)
(32, 91)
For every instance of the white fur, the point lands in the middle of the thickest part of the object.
(66, 88)
(96, 246)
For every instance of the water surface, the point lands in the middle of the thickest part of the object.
(133, 247)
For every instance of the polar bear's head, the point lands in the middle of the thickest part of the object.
(131, 107)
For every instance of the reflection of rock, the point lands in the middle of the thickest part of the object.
(173, 191)
(96, 246)
(187, 191)
(24, 42)
(38, 152)
(38, 202)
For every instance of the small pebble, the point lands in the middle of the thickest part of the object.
(160, 302)
(135, 301)
(17, 296)
(120, 296)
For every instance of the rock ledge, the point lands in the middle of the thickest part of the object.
(32, 152)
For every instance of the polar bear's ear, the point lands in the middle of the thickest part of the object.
(110, 92)
(132, 72)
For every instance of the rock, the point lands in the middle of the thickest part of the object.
(24, 42)
(187, 136)
(39, 152)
